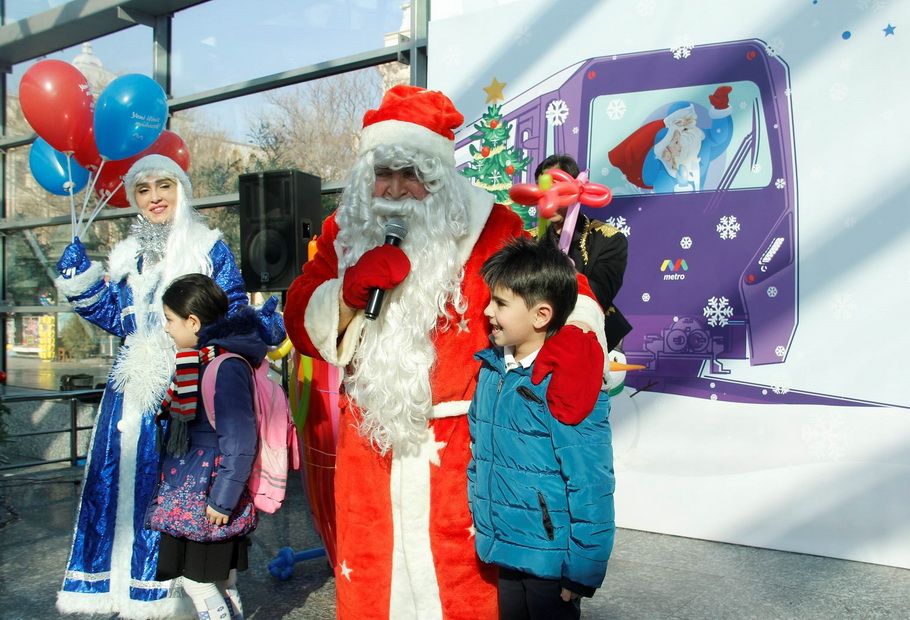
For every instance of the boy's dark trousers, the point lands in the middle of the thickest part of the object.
(523, 596)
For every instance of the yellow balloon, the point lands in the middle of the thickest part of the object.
(281, 351)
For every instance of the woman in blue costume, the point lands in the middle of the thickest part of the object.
(111, 568)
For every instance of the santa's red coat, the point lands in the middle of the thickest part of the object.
(405, 546)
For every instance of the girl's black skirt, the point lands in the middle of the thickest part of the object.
(205, 562)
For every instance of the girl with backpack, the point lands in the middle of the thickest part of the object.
(203, 507)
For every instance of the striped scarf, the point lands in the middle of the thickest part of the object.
(179, 404)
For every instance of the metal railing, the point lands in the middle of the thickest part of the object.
(76, 397)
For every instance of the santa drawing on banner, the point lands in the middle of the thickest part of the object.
(673, 154)
(405, 545)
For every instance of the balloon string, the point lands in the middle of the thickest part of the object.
(101, 204)
(69, 170)
(88, 192)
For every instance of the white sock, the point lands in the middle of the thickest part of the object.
(207, 600)
(231, 594)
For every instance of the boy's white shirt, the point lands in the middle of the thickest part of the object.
(508, 355)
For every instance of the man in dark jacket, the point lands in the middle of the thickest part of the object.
(600, 252)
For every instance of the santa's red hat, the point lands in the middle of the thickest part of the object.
(414, 117)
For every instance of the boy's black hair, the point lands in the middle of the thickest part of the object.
(536, 272)
(196, 294)
(558, 160)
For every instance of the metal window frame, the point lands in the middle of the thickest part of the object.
(84, 20)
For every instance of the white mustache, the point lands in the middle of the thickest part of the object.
(394, 208)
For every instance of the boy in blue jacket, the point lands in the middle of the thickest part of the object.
(540, 488)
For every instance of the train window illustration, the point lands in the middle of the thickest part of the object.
(695, 138)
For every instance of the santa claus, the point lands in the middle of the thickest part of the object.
(674, 154)
(405, 545)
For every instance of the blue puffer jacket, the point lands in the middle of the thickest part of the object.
(541, 492)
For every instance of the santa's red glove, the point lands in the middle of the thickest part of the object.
(721, 97)
(577, 361)
(385, 266)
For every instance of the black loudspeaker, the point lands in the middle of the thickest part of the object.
(280, 211)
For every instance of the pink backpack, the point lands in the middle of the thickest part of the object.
(277, 433)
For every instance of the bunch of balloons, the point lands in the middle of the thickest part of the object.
(104, 137)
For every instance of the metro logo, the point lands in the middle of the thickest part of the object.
(679, 264)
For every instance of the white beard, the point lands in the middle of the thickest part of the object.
(390, 379)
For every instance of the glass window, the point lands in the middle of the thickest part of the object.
(312, 126)
(31, 258)
(100, 60)
(41, 348)
(228, 41)
(20, 9)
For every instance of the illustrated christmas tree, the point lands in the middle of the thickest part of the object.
(493, 163)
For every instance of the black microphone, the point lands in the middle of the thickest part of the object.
(396, 229)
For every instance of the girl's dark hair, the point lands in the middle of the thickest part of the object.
(196, 294)
(559, 160)
(536, 272)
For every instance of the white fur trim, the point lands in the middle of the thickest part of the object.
(172, 607)
(321, 322)
(450, 409)
(588, 311)
(122, 259)
(144, 367)
(415, 590)
(80, 283)
(410, 135)
(480, 205)
(715, 113)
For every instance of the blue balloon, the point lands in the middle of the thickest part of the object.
(50, 169)
(129, 115)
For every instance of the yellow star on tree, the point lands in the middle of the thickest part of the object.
(494, 91)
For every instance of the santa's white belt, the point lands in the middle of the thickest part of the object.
(450, 409)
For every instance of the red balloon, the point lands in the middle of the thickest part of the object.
(110, 181)
(85, 151)
(170, 145)
(57, 102)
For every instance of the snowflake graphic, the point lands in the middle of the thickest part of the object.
(575, 131)
(780, 388)
(743, 105)
(780, 183)
(867, 5)
(682, 51)
(780, 350)
(557, 112)
(844, 306)
(605, 171)
(787, 92)
(826, 438)
(532, 211)
(775, 46)
(646, 297)
(620, 224)
(524, 36)
(616, 109)
(756, 168)
(718, 311)
(685, 243)
(646, 8)
(838, 91)
(452, 57)
(728, 227)
(772, 291)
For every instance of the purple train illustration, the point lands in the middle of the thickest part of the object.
(697, 146)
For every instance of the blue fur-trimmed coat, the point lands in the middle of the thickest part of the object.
(111, 568)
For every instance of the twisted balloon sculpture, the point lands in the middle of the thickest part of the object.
(556, 189)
